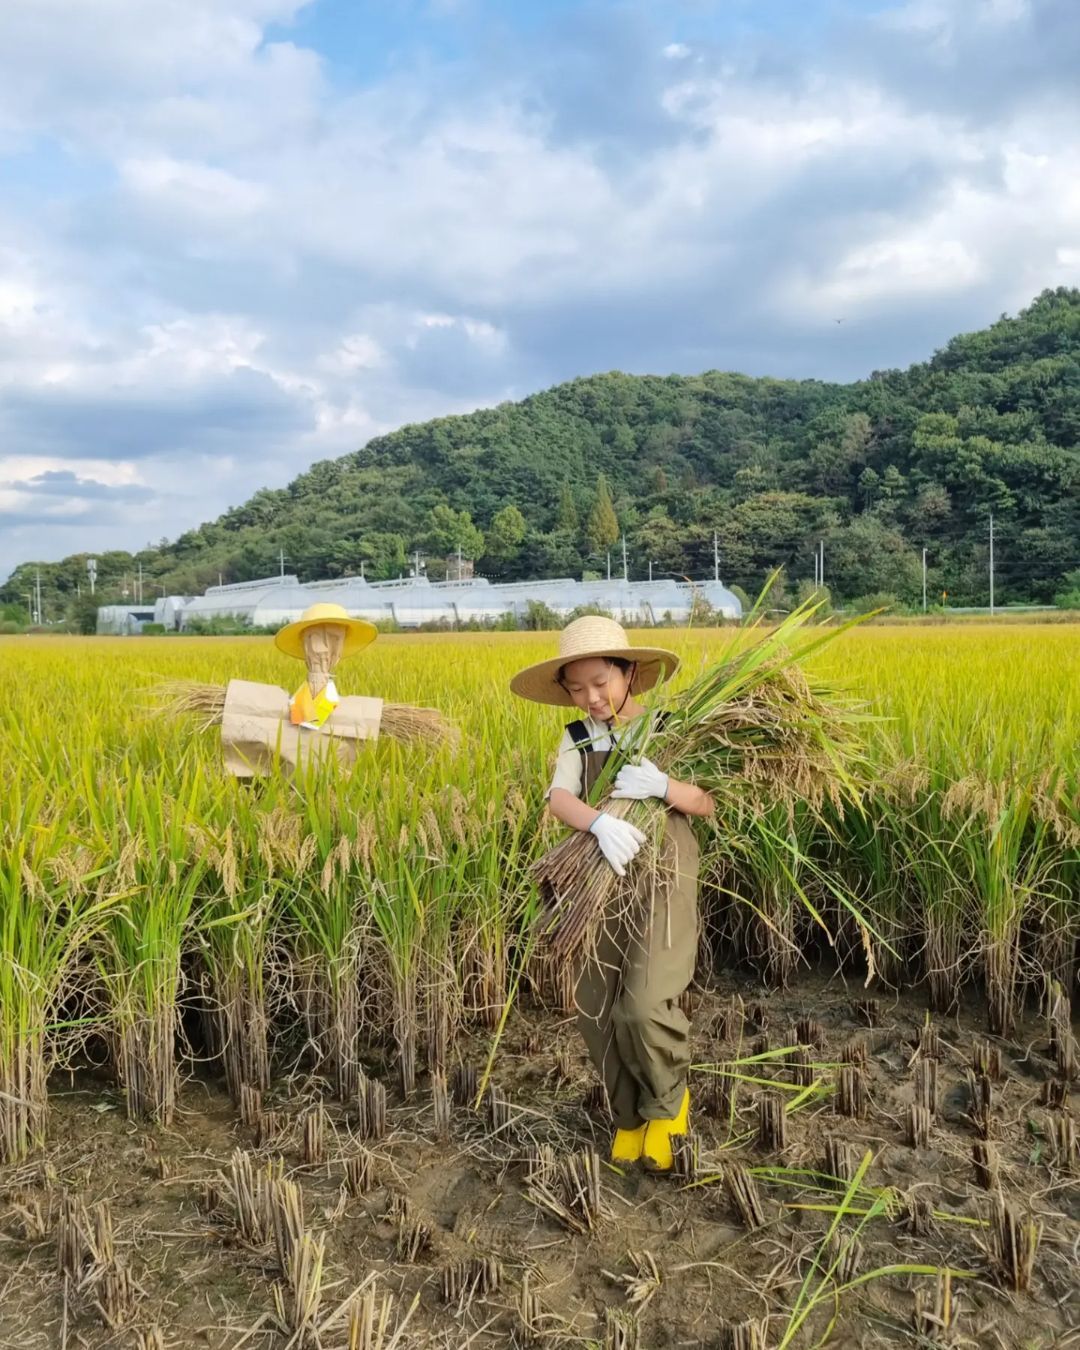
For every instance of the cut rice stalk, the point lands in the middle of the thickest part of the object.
(754, 730)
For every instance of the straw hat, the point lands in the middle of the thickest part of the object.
(592, 635)
(359, 632)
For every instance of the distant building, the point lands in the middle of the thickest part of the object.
(413, 601)
(124, 620)
(459, 569)
(127, 620)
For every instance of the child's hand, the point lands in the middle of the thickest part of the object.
(619, 841)
(640, 781)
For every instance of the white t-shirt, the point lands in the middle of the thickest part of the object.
(568, 765)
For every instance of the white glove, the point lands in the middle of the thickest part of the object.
(640, 781)
(619, 840)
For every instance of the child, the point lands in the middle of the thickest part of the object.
(627, 995)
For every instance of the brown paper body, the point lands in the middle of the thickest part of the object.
(255, 728)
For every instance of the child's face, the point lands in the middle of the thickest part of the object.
(597, 686)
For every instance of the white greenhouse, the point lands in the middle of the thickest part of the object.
(412, 601)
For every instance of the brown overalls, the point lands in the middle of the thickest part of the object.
(627, 995)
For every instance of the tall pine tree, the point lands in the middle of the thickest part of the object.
(566, 517)
(603, 528)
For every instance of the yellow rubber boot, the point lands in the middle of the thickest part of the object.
(627, 1145)
(657, 1153)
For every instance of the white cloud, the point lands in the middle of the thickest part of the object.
(476, 330)
(111, 472)
(890, 269)
(198, 190)
(236, 262)
(356, 351)
(1005, 230)
(943, 18)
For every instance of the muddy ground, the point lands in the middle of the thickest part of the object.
(668, 1262)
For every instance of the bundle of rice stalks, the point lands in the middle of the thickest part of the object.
(755, 730)
(401, 721)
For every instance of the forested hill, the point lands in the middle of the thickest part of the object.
(878, 469)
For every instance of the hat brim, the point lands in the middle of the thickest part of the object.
(358, 635)
(540, 683)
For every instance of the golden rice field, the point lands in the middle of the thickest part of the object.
(132, 866)
(161, 919)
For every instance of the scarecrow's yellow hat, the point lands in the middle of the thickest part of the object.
(358, 632)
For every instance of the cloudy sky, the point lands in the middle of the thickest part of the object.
(238, 236)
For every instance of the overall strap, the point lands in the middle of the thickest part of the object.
(579, 734)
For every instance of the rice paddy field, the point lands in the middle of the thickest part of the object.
(282, 1065)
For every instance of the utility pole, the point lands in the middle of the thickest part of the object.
(139, 591)
(362, 577)
(924, 580)
(609, 564)
(650, 569)
(281, 561)
(624, 575)
(37, 588)
(991, 564)
(91, 569)
(715, 556)
(817, 580)
(821, 565)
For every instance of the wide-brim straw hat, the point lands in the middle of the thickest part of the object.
(358, 632)
(590, 636)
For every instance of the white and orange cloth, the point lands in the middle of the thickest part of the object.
(312, 710)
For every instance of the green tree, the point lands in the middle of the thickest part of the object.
(892, 483)
(85, 614)
(504, 537)
(449, 530)
(622, 440)
(657, 481)
(839, 447)
(821, 595)
(659, 540)
(557, 554)
(603, 529)
(869, 557)
(1069, 595)
(566, 518)
(383, 554)
(932, 506)
(751, 480)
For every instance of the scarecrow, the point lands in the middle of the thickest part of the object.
(261, 723)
